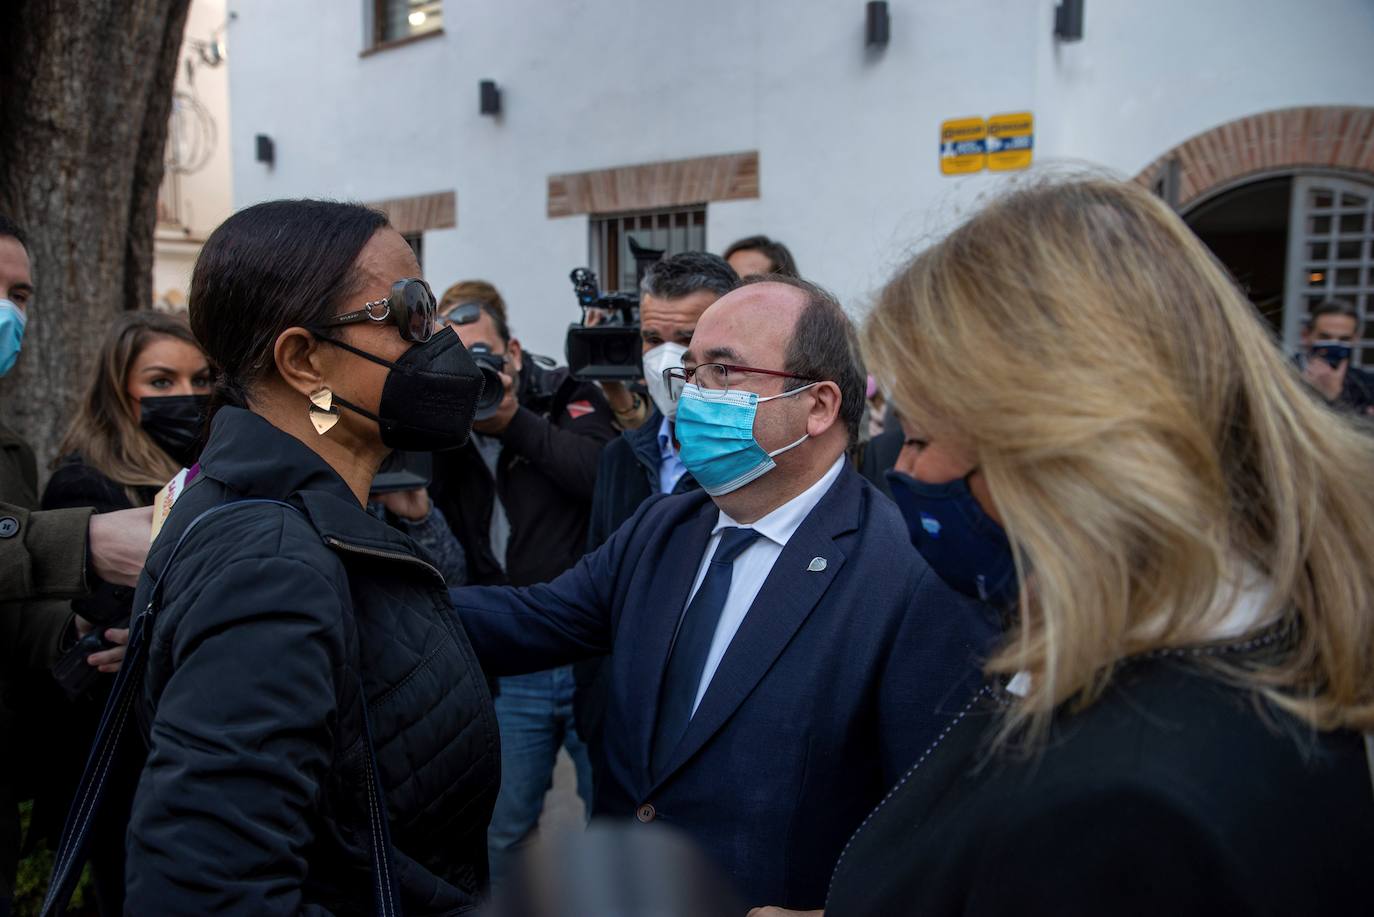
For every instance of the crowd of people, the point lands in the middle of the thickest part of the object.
(1047, 591)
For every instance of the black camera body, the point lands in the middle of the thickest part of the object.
(605, 349)
(605, 345)
(493, 390)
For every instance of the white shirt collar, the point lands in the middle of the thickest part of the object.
(782, 523)
(1248, 597)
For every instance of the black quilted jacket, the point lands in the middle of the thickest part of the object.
(252, 800)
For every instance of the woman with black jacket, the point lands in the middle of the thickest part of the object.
(136, 425)
(1104, 444)
(283, 631)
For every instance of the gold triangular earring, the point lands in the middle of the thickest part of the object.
(323, 414)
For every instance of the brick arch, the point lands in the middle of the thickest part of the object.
(1325, 137)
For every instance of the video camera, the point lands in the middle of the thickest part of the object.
(605, 345)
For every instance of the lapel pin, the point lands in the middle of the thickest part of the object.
(817, 565)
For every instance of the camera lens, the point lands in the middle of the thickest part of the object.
(492, 391)
(621, 351)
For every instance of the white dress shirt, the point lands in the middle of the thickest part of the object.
(753, 565)
(670, 467)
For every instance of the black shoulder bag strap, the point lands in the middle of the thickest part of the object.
(109, 739)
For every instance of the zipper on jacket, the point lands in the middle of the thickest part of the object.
(384, 555)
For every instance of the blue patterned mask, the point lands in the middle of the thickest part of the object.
(716, 432)
(963, 544)
(12, 322)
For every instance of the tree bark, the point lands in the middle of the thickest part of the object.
(85, 94)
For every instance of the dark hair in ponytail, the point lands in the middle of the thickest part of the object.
(270, 267)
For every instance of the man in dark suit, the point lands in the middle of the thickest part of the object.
(779, 652)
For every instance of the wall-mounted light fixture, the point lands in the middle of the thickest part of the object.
(489, 98)
(878, 26)
(266, 151)
(1068, 20)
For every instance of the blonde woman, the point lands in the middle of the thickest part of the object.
(138, 423)
(1103, 441)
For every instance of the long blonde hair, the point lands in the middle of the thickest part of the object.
(105, 432)
(1143, 438)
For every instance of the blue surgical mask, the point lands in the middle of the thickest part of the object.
(716, 432)
(12, 322)
(963, 544)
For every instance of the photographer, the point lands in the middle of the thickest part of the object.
(1327, 339)
(518, 497)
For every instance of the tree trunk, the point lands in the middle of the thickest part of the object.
(85, 93)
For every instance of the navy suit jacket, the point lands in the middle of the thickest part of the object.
(835, 683)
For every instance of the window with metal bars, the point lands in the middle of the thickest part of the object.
(675, 230)
(416, 241)
(1331, 255)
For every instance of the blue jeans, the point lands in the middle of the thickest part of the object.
(535, 713)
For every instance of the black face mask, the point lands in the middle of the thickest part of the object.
(430, 395)
(175, 423)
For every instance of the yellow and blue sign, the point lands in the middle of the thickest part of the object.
(963, 147)
(1002, 143)
(1011, 141)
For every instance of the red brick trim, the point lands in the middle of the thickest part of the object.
(1322, 137)
(655, 185)
(412, 215)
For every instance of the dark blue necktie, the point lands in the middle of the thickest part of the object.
(694, 635)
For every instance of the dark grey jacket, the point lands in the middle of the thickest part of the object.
(253, 801)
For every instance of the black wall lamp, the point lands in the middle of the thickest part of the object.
(878, 27)
(1068, 20)
(266, 150)
(489, 97)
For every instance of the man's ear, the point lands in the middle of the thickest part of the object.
(297, 355)
(517, 355)
(825, 408)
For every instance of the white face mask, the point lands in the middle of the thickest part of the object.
(663, 357)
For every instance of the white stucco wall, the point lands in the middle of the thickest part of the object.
(207, 193)
(847, 138)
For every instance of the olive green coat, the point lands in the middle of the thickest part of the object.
(42, 567)
(42, 556)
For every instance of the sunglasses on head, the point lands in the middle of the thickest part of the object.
(467, 313)
(410, 307)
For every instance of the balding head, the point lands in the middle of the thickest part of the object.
(797, 327)
(750, 326)
(799, 420)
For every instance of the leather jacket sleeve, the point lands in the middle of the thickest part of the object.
(567, 446)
